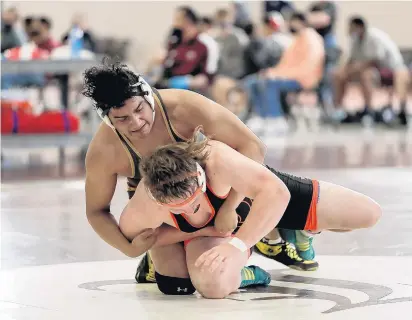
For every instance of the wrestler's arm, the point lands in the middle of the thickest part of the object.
(143, 213)
(169, 235)
(100, 186)
(270, 195)
(221, 125)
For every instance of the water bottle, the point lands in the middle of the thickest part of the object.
(76, 42)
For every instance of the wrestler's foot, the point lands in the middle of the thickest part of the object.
(145, 272)
(254, 276)
(286, 254)
(302, 241)
(304, 245)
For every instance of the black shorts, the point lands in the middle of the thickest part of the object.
(300, 213)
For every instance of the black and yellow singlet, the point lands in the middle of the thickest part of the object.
(133, 154)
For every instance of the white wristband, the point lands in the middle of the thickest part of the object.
(239, 244)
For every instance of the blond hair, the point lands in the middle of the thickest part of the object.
(168, 173)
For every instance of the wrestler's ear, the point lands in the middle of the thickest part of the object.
(201, 178)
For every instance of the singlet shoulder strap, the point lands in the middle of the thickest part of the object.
(172, 131)
(133, 155)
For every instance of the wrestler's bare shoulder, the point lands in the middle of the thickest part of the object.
(171, 98)
(216, 154)
(106, 151)
(179, 105)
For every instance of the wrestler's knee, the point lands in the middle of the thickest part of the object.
(215, 286)
(368, 214)
(174, 286)
(213, 290)
(372, 214)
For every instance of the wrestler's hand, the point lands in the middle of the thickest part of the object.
(226, 220)
(143, 242)
(215, 258)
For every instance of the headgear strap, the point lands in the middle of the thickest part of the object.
(201, 182)
(140, 88)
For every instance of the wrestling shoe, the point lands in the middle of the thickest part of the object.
(301, 240)
(285, 253)
(145, 272)
(254, 276)
(251, 275)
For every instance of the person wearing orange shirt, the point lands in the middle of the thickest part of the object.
(300, 68)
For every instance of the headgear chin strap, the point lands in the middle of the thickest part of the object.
(103, 114)
(147, 91)
(140, 88)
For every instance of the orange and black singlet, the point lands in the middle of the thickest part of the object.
(215, 202)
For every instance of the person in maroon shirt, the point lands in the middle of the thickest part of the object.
(38, 30)
(188, 61)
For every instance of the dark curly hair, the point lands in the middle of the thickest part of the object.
(109, 84)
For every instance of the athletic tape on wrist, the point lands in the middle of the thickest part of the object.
(239, 244)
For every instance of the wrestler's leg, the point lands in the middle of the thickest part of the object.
(301, 256)
(169, 262)
(334, 208)
(221, 282)
(172, 276)
(345, 209)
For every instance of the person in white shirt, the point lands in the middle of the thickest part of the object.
(371, 48)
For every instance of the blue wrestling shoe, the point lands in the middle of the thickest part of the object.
(302, 242)
(254, 276)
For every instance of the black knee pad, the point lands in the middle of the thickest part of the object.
(174, 286)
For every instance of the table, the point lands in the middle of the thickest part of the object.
(62, 69)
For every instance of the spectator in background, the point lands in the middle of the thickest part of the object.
(232, 42)
(189, 64)
(79, 21)
(371, 48)
(274, 29)
(39, 31)
(265, 52)
(11, 35)
(40, 45)
(322, 17)
(286, 8)
(206, 25)
(300, 67)
(241, 14)
(206, 36)
(256, 44)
